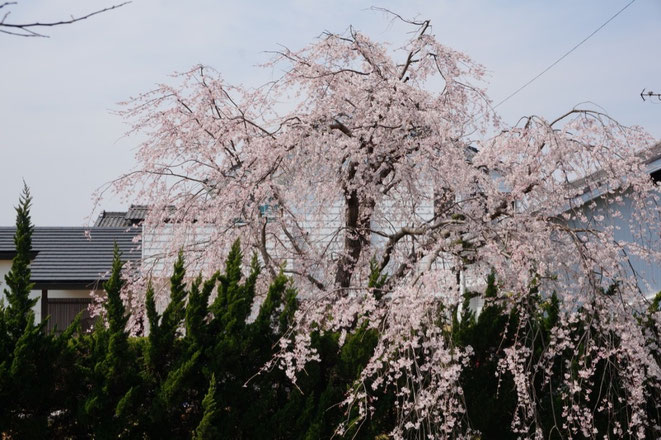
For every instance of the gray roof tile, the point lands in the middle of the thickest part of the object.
(67, 255)
(112, 219)
(137, 213)
(134, 216)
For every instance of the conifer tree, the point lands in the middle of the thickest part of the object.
(169, 366)
(269, 322)
(19, 303)
(19, 336)
(233, 304)
(489, 400)
(208, 427)
(31, 366)
(275, 402)
(30, 376)
(163, 330)
(231, 356)
(68, 381)
(312, 410)
(112, 394)
(197, 311)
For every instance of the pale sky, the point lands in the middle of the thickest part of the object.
(58, 94)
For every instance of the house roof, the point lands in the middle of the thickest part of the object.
(111, 219)
(122, 219)
(137, 212)
(69, 257)
(652, 160)
(134, 216)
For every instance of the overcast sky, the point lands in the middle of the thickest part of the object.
(57, 94)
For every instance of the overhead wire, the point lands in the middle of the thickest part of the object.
(564, 56)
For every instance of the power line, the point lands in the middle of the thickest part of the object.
(564, 56)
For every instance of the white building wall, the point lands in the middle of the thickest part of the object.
(156, 248)
(323, 233)
(5, 265)
(648, 274)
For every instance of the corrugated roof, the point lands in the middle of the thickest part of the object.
(132, 217)
(69, 255)
(137, 213)
(112, 219)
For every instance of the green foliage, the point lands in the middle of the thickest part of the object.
(656, 302)
(207, 429)
(19, 305)
(376, 279)
(114, 306)
(490, 402)
(164, 330)
(34, 366)
(316, 404)
(197, 312)
(111, 367)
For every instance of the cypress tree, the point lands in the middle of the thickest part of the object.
(28, 368)
(311, 410)
(17, 322)
(19, 303)
(270, 397)
(231, 356)
(113, 376)
(69, 381)
(207, 429)
(163, 330)
(233, 304)
(490, 406)
(197, 311)
(170, 367)
(28, 401)
(114, 306)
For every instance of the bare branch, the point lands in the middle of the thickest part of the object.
(26, 29)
